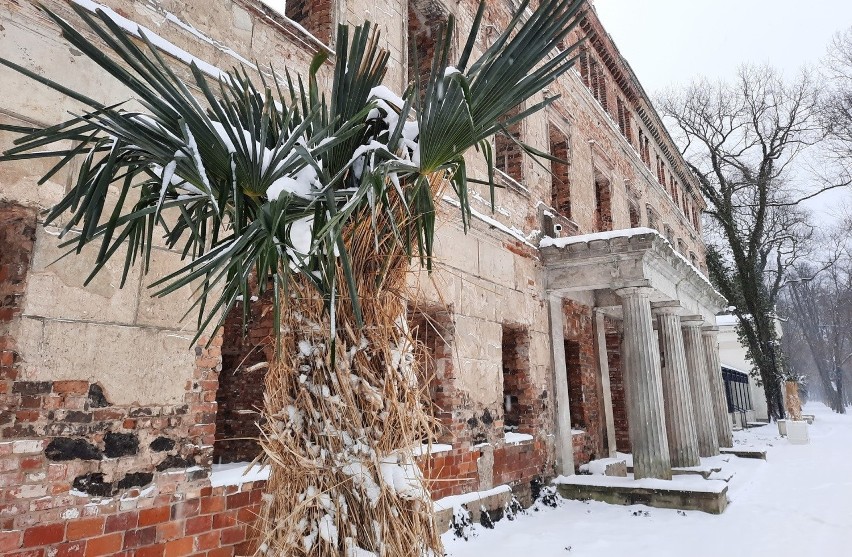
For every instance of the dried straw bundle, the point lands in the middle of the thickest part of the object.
(340, 438)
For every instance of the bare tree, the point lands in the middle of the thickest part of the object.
(836, 114)
(742, 140)
(819, 307)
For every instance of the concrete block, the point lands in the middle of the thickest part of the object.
(134, 365)
(782, 427)
(797, 432)
(55, 288)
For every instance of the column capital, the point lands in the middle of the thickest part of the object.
(692, 320)
(633, 290)
(669, 307)
(710, 330)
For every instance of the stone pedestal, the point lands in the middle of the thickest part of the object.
(702, 402)
(680, 418)
(717, 387)
(644, 390)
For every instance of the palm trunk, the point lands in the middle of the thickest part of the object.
(343, 412)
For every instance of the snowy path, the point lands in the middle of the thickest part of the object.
(798, 504)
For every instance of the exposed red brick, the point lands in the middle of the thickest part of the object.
(44, 534)
(104, 545)
(85, 528)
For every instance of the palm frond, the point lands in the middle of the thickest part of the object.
(264, 182)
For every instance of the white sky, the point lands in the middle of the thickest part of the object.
(670, 42)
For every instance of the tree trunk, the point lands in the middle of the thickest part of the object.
(344, 415)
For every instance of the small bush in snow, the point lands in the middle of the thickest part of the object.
(548, 497)
(513, 508)
(462, 525)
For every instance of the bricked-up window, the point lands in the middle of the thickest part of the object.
(575, 384)
(424, 19)
(594, 77)
(432, 328)
(624, 123)
(603, 203)
(508, 155)
(241, 383)
(635, 218)
(653, 217)
(518, 396)
(560, 180)
(314, 15)
(646, 152)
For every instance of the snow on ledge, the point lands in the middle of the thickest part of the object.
(607, 235)
(435, 448)
(679, 484)
(598, 467)
(137, 30)
(454, 501)
(237, 473)
(514, 232)
(512, 438)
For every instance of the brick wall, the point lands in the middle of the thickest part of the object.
(241, 382)
(584, 386)
(184, 517)
(17, 238)
(523, 412)
(424, 18)
(560, 190)
(616, 383)
(314, 15)
(508, 155)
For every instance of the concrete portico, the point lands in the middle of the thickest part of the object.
(635, 276)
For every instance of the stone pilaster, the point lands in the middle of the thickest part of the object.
(564, 439)
(644, 387)
(702, 402)
(680, 417)
(717, 386)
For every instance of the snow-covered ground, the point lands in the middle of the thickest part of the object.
(798, 504)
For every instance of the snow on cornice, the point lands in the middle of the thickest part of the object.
(626, 233)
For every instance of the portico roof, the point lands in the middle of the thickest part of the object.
(604, 262)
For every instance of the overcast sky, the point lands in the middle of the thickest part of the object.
(670, 42)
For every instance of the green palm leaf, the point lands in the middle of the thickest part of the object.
(265, 181)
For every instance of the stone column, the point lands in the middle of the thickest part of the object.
(696, 362)
(564, 438)
(606, 389)
(680, 418)
(644, 387)
(717, 386)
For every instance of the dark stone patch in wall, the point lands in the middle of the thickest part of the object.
(480, 438)
(77, 416)
(96, 397)
(31, 387)
(175, 461)
(135, 479)
(64, 448)
(472, 422)
(487, 419)
(162, 444)
(93, 483)
(120, 444)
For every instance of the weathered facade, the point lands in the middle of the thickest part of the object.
(542, 358)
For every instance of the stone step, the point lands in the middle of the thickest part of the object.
(745, 452)
(695, 495)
